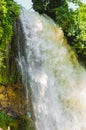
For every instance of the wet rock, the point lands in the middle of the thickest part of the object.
(12, 97)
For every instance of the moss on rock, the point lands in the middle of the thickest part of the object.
(18, 123)
(13, 108)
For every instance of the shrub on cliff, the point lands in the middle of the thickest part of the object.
(73, 23)
(9, 11)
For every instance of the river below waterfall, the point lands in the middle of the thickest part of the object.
(50, 67)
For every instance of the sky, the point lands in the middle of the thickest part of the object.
(25, 3)
(83, 1)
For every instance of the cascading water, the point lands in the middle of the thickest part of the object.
(56, 79)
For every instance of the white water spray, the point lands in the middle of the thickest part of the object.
(57, 81)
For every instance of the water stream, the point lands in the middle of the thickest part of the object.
(57, 81)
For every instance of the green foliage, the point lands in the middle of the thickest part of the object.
(9, 12)
(6, 120)
(73, 24)
(75, 1)
(47, 6)
(18, 123)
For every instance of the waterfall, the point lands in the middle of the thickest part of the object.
(51, 70)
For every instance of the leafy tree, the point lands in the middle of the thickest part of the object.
(47, 6)
(73, 23)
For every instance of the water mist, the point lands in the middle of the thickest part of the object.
(56, 79)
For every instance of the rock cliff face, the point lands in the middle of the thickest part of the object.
(12, 95)
(13, 100)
